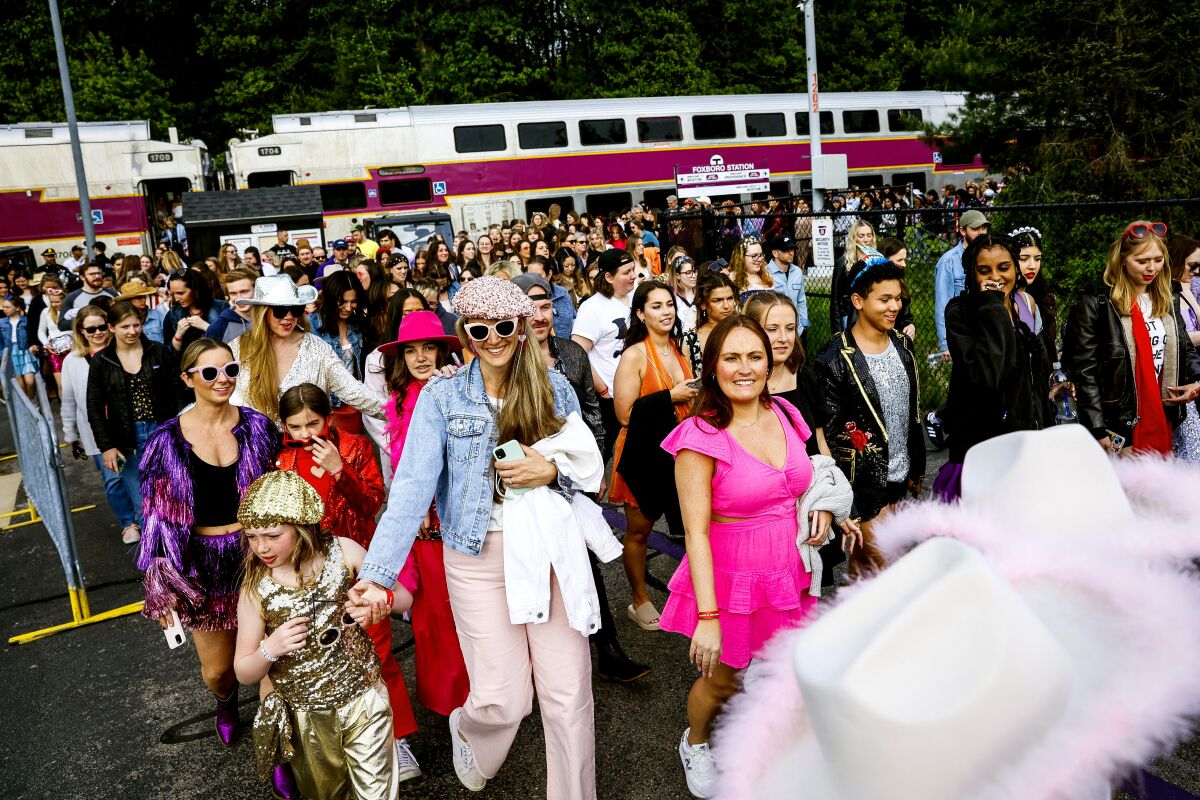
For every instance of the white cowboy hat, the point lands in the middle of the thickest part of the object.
(1026, 664)
(278, 290)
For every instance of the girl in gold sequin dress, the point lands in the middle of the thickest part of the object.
(329, 715)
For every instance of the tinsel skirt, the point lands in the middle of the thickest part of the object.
(215, 569)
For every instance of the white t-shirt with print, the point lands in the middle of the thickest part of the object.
(1157, 327)
(604, 321)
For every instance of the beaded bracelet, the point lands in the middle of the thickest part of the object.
(391, 598)
(262, 650)
(703, 615)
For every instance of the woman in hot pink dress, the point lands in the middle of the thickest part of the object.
(740, 467)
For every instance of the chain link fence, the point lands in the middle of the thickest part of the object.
(1075, 241)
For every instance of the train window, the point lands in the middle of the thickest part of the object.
(39, 133)
(758, 125)
(904, 119)
(657, 198)
(607, 202)
(365, 118)
(917, 179)
(543, 204)
(306, 120)
(409, 190)
(264, 180)
(865, 121)
(540, 135)
(348, 196)
(866, 181)
(602, 131)
(659, 129)
(479, 138)
(780, 188)
(827, 128)
(713, 126)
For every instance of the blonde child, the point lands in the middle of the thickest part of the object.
(328, 714)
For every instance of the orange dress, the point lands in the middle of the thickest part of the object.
(656, 379)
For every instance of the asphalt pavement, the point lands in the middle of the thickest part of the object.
(107, 710)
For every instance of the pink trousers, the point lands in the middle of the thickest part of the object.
(505, 662)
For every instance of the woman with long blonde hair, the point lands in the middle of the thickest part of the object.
(1127, 351)
(860, 243)
(470, 444)
(279, 352)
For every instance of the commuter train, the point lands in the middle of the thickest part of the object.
(132, 182)
(486, 162)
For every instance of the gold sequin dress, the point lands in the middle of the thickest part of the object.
(329, 715)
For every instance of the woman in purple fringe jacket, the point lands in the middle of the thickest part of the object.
(193, 473)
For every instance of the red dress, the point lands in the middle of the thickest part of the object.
(442, 682)
(352, 500)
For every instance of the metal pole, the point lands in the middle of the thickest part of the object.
(814, 106)
(85, 202)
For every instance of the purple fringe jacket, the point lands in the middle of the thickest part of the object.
(167, 504)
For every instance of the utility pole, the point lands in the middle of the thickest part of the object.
(814, 107)
(85, 202)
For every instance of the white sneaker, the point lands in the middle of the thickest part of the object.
(464, 757)
(131, 534)
(407, 767)
(698, 767)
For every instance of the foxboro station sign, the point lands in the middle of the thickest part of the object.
(718, 178)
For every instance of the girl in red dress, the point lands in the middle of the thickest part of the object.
(342, 467)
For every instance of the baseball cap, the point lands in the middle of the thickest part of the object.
(783, 243)
(340, 244)
(613, 260)
(705, 200)
(358, 228)
(527, 282)
(973, 219)
(77, 248)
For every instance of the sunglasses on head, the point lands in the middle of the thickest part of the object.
(94, 328)
(210, 374)
(281, 312)
(1140, 230)
(480, 331)
(52, 290)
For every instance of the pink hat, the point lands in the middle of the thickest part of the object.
(420, 326)
(493, 298)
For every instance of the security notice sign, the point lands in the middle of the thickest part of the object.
(718, 177)
(822, 241)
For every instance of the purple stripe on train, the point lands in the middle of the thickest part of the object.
(24, 218)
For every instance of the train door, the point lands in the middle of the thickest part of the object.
(164, 198)
(477, 216)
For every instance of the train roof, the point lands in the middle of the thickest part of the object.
(539, 110)
(57, 132)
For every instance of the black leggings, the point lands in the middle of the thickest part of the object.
(608, 416)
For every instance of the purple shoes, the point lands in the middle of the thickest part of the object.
(283, 783)
(228, 723)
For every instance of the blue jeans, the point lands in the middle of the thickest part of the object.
(118, 497)
(129, 475)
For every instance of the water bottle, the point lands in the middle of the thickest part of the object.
(1064, 403)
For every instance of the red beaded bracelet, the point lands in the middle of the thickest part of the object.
(708, 615)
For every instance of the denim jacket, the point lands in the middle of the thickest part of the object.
(448, 457)
(6, 333)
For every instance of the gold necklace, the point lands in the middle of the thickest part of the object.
(749, 424)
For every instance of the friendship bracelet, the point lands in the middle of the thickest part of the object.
(391, 597)
(705, 615)
(262, 649)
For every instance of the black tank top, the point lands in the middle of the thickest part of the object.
(215, 495)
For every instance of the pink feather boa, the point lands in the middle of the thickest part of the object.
(1151, 694)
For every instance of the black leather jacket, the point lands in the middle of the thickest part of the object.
(851, 398)
(999, 381)
(572, 361)
(109, 404)
(1097, 359)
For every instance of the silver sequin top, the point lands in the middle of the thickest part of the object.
(891, 381)
(315, 363)
(337, 662)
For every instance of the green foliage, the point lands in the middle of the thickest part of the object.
(1084, 98)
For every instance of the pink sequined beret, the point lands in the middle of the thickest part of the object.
(491, 298)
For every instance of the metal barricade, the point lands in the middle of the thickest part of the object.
(45, 486)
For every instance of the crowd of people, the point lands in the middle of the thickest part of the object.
(302, 443)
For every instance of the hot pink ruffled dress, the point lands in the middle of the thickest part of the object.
(760, 582)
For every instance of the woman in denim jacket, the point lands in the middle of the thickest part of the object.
(506, 393)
